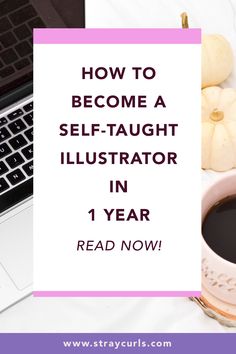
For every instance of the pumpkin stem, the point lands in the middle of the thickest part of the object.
(184, 17)
(216, 115)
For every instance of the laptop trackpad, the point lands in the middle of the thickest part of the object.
(16, 247)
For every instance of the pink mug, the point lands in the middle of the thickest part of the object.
(218, 274)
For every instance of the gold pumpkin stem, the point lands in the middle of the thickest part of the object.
(216, 115)
(184, 17)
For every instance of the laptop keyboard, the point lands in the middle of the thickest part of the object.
(16, 156)
(17, 20)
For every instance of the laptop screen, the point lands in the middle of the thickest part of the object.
(17, 20)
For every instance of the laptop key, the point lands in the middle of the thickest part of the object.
(4, 150)
(22, 64)
(3, 121)
(23, 49)
(4, 134)
(14, 160)
(15, 177)
(9, 70)
(29, 134)
(17, 142)
(30, 41)
(16, 195)
(29, 118)
(8, 56)
(10, 5)
(17, 126)
(22, 32)
(3, 185)
(5, 24)
(28, 168)
(17, 113)
(23, 15)
(28, 152)
(7, 39)
(36, 23)
(3, 168)
(28, 107)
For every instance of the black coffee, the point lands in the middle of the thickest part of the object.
(219, 228)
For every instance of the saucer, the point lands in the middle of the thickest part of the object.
(223, 312)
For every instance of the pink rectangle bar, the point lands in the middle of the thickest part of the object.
(116, 293)
(117, 36)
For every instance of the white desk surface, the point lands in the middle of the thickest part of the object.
(131, 314)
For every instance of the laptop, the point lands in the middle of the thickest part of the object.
(17, 20)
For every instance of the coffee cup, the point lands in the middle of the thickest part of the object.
(218, 274)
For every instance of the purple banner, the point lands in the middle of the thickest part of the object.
(60, 343)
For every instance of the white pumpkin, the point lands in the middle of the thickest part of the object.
(217, 59)
(218, 128)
